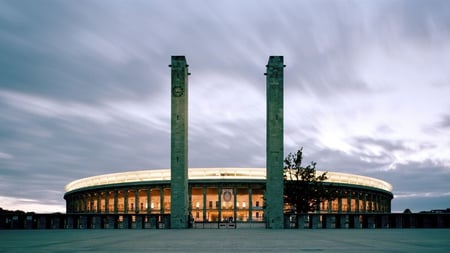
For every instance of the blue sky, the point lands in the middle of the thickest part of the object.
(85, 90)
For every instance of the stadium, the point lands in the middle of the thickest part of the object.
(215, 194)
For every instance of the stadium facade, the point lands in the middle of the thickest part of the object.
(214, 194)
(245, 195)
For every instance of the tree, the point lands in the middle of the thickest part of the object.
(303, 190)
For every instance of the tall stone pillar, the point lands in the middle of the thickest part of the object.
(274, 152)
(179, 144)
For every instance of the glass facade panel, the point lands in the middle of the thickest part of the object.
(167, 200)
(227, 215)
(353, 205)
(212, 197)
(257, 199)
(257, 216)
(197, 203)
(120, 201)
(131, 201)
(324, 206)
(142, 200)
(196, 198)
(242, 204)
(257, 204)
(111, 202)
(214, 202)
(102, 203)
(94, 199)
(335, 205)
(344, 204)
(155, 200)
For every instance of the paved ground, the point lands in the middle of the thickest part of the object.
(226, 240)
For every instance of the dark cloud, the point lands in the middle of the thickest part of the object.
(418, 181)
(417, 21)
(77, 53)
(445, 122)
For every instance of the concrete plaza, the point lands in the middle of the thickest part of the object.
(226, 240)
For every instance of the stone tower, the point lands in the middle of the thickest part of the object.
(179, 143)
(274, 152)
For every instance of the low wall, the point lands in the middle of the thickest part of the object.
(145, 221)
(366, 220)
(83, 221)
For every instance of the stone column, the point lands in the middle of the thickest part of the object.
(125, 201)
(376, 203)
(219, 203)
(161, 200)
(349, 202)
(357, 202)
(99, 202)
(136, 200)
(179, 143)
(330, 205)
(79, 204)
(86, 203)
(365, 202)
(234, 204)
(149, 191)
(115, 201)
(91, 203)
(107, 201)
(250, 205)
(69, 200)
(274, 149)
(189, 200)
(204, 203)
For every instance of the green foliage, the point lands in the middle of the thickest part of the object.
(303, 190)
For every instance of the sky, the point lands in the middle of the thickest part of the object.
(85, 90)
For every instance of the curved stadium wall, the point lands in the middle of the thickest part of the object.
(215, 194)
